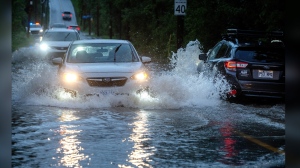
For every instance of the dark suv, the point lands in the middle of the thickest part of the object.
(253, 63)
(66, 15)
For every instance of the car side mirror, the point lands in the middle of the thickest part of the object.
(203, 56)
(146, 59)
(57, 61)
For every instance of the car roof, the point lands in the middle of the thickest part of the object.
(101, 41)
(58, 24)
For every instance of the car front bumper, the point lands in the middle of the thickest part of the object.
(82, 87)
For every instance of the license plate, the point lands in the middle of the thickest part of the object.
(265, 74)
(107, 92)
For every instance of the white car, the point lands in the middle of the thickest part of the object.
(35, 29)
(102, 66)
(55, 42)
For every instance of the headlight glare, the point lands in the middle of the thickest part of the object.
(44, 47)
(70, 77)
(141, 76)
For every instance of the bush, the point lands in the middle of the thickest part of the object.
(20, 39)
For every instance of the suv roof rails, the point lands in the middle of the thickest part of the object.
(255, 33)
(235, 34)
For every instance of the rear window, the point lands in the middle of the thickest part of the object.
(60, 36)
(261, 55)
(59, 25)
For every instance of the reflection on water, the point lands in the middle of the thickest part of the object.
(69, 145)
(142, 150)
(229, 151)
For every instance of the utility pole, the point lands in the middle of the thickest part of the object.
(28, 9)
(90, 25)
(43, 13)
(35, 9)
(110, 20)
(97, 21)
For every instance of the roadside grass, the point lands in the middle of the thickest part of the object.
(20, 39)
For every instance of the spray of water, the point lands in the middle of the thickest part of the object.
(34, 82)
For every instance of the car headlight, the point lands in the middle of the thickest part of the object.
(44, 47)
(41, 30)
(141, 76)
(70, 77)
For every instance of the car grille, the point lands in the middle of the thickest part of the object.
(35, 32)
(107, 81)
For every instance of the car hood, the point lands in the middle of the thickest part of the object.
(57, 43)
(35, 29)
(106, 67)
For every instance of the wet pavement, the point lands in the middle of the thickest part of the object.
(44, 136)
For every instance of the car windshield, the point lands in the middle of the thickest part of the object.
(101, 52)
(261, 55)
(35, 26)
(60, 36)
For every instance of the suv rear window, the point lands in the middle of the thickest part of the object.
(261, 55)
(60, 36)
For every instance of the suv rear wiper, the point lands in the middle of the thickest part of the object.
(116, 52)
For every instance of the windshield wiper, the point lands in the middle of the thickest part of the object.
(66, 36)
(116, 52)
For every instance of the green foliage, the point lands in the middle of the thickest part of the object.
(152, 26)
(18, 25)
(19, 39)
(19, 22)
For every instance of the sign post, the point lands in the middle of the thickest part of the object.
(179, 7)
(179, 11)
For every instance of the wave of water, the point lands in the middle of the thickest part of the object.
(34, 82)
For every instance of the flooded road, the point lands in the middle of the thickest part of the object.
(44, 136)
(186, 124)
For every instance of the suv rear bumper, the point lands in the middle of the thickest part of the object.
(262, 89)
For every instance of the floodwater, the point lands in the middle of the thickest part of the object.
(185, 124)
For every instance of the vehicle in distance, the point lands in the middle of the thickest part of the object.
(35, 29)
(253, 63)
(75, 27)
(101, 67)
(58, 25)
(66, 15)
(55, 42)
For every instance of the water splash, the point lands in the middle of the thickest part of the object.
(34, 82)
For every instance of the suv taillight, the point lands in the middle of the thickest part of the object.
(232, 65)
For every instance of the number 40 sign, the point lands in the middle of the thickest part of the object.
(179, 7)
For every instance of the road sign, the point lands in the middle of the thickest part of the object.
(86, 16)
(179, 7)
